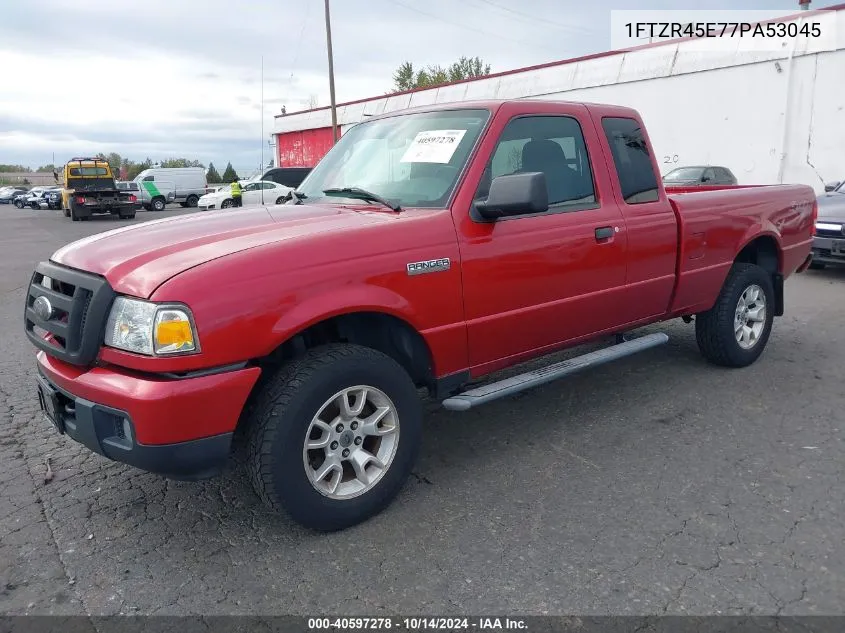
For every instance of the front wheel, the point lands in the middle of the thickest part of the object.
(227, 204)
(19, 204)
(333, 436)
(158, 204)
(734, 332)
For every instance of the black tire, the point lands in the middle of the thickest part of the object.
(66, 212)
(19, 204)
(714, 329)
(281, 416)
(191, 201)
(158, 204)
(72, 213)
(127, 216)
(228, 203)
(816, 265)
(146, 206)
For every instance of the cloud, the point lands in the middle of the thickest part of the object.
(184, 78)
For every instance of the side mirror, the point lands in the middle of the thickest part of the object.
(516, 194)
(830, 186)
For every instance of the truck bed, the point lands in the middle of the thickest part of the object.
(715, 223)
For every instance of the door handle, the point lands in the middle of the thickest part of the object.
(604, 232)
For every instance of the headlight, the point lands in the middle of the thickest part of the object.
(151, 329)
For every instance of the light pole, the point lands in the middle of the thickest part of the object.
(331, 72)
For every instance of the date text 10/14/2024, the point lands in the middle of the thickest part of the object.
(417, 624)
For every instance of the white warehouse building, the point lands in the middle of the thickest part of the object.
(774, 115)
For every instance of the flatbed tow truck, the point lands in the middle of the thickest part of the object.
(89, 189)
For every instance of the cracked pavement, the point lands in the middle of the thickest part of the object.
(658, 484)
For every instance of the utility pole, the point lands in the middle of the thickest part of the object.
(331, 72)
(261, 167)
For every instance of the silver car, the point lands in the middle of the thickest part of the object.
(829, 240)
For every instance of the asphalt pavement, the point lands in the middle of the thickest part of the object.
(658, 484)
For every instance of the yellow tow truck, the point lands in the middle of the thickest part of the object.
(89, 189)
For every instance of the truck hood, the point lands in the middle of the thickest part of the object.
(137, 259)
(832, 207)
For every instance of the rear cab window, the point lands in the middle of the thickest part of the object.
(632, 158)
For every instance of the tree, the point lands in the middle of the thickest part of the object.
(407, 78)
(133, 169)
(12, 168)
(46, 169)
(212, 175)
(180, 162)
(404, 78)
(230, 174)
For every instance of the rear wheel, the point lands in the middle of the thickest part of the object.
(158, 204)
(191, 201)
(734, 332)
(333, 436)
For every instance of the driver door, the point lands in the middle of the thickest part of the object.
(533, 282)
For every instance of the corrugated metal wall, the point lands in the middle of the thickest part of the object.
(303, 148)
(767, 116)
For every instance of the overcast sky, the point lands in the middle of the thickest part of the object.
(181, 78)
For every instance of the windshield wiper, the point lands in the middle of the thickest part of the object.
(296, 196)
(361, 194)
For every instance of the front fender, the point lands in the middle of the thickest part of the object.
(337, 301)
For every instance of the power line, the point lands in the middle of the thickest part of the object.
(543, 20)
(464, 26)
(299, 40)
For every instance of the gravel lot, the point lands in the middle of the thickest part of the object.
(657, 484)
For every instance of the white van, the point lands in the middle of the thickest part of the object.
(159, 185)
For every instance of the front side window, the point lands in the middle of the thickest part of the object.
(632, 159)
(553, 145)
(413, 160)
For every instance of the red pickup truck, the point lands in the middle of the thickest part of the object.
(427, 249)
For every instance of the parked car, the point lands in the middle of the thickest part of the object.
(20, 199)
(470, 238)
(252, 193)
(128, 185)
(31, 199)
(8, 194)
(52, 199)
(162, 185)
(290, 177)
(699, 175)
(829, 240)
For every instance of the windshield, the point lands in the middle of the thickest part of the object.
(413, 160)
(684, 173)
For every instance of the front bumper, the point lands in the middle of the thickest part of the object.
(829, 250)
(178, 427)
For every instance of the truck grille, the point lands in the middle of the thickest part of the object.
(73, 312)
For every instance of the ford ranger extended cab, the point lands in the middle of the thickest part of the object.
(428, 249)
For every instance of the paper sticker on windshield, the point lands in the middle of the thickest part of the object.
(433, 146)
